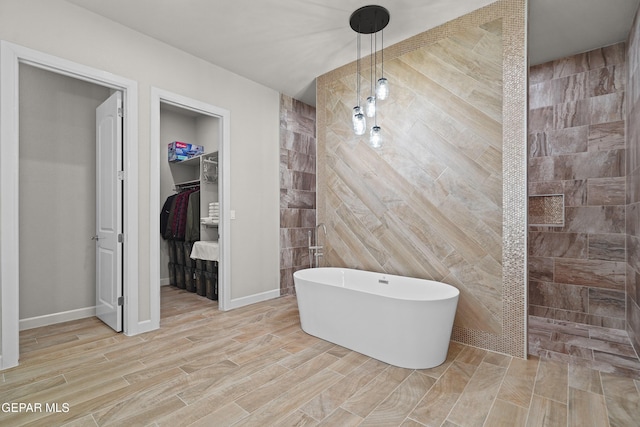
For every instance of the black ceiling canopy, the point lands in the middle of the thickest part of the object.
(369, 19)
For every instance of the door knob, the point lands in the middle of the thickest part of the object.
(96, 238)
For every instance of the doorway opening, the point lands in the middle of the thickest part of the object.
(13, 57)
(58, 190)
(176, 118)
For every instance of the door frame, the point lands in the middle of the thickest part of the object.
(11, 55)
(161, 96)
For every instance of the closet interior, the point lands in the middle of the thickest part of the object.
(190, 214)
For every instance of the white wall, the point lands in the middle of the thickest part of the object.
(70, 32)
(57, 193)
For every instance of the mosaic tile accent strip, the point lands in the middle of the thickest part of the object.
(445, 198)
(547, 210)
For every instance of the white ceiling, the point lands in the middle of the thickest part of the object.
(285, 44)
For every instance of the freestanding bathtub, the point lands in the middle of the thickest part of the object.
(402, 321)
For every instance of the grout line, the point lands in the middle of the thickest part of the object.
(387, 396)
(604, 397)
(533, 389)
(463, 390)
(427, 392)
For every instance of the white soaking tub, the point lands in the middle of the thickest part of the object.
(402, 321)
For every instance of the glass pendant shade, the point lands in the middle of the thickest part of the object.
(370, 107)
(382, 89)
(375, 137)
(358, 121)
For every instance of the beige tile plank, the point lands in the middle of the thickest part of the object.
(399, 404)
(26, 375)
(225, 393)
(289, 400)
(585, 379)
(101, 396)
(552, 380)
(17, 393)
(586, 409)
(545, 412)
(71, 396)
(473, 406)
(138, 411)
(341, 418)
(263, 395)
(212, 378)
(299, 418)
(622, 411)
(506, 414)
(438, 402)
(329, 400)
(225, 416)
(86, 421)
(519, 381)
(371, 395)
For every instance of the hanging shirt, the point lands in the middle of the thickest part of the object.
(165, 216)
(192, 229)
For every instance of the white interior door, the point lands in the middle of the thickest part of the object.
(109, 212)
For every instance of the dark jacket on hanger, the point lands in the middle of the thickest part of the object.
(165, 216)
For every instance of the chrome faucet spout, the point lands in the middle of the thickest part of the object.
(324, 228)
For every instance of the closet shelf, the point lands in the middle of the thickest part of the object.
(209, 223)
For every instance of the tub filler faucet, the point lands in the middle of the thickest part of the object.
(315, 251)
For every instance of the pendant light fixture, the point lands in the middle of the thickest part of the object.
(370, 20)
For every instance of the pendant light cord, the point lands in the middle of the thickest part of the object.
(382, 53)
(374, 68)
(371, 64)
(358, 69)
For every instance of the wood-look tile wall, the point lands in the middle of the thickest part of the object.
(577, 148)
(297, 187)
(445, 196)
(633, 185)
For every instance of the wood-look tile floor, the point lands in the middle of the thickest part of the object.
(255, 367)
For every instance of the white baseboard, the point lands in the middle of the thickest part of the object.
(252, 299)
(52, 319)
(165, 281)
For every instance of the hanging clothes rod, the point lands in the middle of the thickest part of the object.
(187, 185)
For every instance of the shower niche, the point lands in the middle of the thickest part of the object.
(546, 210)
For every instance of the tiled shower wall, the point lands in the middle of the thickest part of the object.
(633, 187)
(577, 149)
(297, 187)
